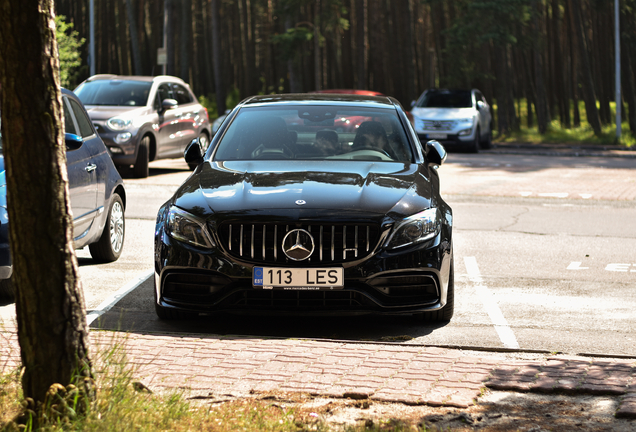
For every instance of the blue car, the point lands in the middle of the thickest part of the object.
(98, 197)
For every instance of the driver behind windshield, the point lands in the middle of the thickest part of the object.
(371, 135)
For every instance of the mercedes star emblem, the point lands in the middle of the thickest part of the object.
(298, 245)
(301, 202)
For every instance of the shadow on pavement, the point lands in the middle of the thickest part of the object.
(135, 313)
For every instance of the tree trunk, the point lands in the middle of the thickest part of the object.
(134, 38)
(361, 43)
(50, 311)
(217, 55)
(317, 62)
(184, 40)
(629, 90)
(541, 102)
(170, 36)
(589, 96)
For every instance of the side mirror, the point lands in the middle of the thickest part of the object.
(435, 152)
(73, 142)
(193, 153)
(480, 105)
(167, 104)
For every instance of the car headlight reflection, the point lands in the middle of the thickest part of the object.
(415, 229)
(118, 123)
(188, 228)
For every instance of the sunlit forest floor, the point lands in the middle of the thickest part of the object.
(557, 134)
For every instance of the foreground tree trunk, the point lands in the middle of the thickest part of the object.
(51, 317)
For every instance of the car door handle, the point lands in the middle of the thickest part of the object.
(90, 168)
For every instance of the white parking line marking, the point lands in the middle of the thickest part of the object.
(490, 304)
(113, 299)
(554, 194)
(576, 265)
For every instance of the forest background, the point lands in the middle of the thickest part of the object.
(543, 64)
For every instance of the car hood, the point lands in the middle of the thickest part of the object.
(328, 188)
(97, 112)
(443, 113)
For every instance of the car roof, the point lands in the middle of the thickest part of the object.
(350, 91)
(321, 99)
(136, 78)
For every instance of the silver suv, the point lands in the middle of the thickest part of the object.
(144, 118)
(454, 118)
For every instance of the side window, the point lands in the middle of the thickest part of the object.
(163, 93)
(182, 95)
(69, 124)
(84, 123)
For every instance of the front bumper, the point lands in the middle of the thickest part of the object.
(207, 282)
(450, 139)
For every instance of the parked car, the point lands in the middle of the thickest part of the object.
(97, 193)
(144, 118)
(273, 221)
(459, 118)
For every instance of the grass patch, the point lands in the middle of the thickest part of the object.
(123, 404)
(556, 134)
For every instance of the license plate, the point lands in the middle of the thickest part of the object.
(437, 136)
(298, 278)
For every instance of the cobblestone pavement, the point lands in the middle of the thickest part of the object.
(387, 372)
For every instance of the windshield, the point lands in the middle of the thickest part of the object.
(315, 132)
(114, 92)
(448, 99)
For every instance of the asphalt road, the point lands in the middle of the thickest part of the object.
(545, 259)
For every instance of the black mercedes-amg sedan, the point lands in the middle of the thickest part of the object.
(305, 204)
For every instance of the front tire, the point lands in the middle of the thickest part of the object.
(487, 142)
(109, 246)
(140, 169)
(473, 146)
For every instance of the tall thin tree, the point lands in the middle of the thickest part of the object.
(50, 311)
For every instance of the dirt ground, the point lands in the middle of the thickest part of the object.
(495, 411)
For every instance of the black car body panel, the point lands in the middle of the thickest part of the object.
(351, 204)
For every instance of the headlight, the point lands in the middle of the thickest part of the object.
(118, 123)
(415, 229)
(465, 121)
(188, 228)
(122, 137)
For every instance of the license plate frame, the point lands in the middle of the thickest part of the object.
(298, 279)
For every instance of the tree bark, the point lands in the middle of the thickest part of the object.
(134, 38)
(184, 40)
(50, 311)
(170, 36)
(219, 83)
(589, 95)
(541, 102)
(361, 43)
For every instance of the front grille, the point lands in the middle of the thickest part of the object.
(262, 243)
(445, 125)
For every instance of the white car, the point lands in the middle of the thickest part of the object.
(454, 118)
